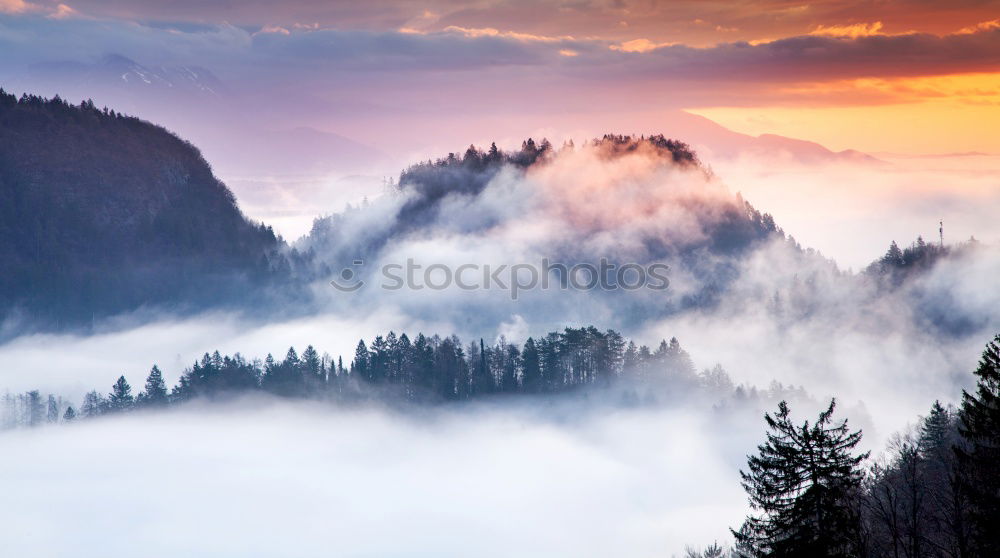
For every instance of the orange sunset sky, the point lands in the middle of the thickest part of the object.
(906, 76)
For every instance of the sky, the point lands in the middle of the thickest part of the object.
(910, 77)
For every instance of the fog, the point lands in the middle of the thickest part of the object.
(850, 212)
(531, 476)
(304, 480)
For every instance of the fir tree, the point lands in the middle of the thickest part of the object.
(980, 461)
(311, 364)
(155, 393)
(94, 404)
(52, 415)
(120, 399)
(939, 438)
(69, 415)
(894, 256)
(359, 368)
(493, 155)
(34, 408)
(802, 484)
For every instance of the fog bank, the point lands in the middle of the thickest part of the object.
(299, 480)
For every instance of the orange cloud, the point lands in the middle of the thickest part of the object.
(63, 11)
(982, 26)
(638, 45)
(850, 31)
(476, 32)
(15, 6)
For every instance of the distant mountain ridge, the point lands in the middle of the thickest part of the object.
(241, 140)
(115, 70)
(715, 140)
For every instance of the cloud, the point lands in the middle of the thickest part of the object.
(614, 22)
(273, 29)
(13, 6)
(852, 31)
(819, 58)
(492, 32)
(298, 480)
(63, 11)
(837, 50)
(482, 71)
(16, 7)
(638, 45)
(981, 26)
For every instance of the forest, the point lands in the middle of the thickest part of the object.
(396, 369)
(933, 492)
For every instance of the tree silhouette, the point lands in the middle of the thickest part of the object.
(803, 484)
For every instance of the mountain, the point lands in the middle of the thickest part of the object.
(712, 140)
(223, 121)
(637, 201)
(114, 71)
(102, 213)
(240, 150)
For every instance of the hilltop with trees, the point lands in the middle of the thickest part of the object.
(102, 213)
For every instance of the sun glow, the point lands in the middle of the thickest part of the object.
(939, 114)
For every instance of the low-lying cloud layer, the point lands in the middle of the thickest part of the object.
(303, 481)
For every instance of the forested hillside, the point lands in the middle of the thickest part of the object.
(730, 227)
(429, 369)
(102, 213)
(934, 492)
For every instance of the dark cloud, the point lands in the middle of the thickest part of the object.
(697, 22)
(225, 48)
(393, 89)
(819, 58)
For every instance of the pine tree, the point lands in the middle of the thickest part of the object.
(493, 155)
(980, 461)
(155, 393)
(120, 399)
(377, 364)
(935, 432)
(52, 415)
(894, 256)
(483, 382)
(532, 371)
(939, 438)
(362, 361)
(34, 408)
(94, 405)
(69, 415)
(803, 484)
(311, 364)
